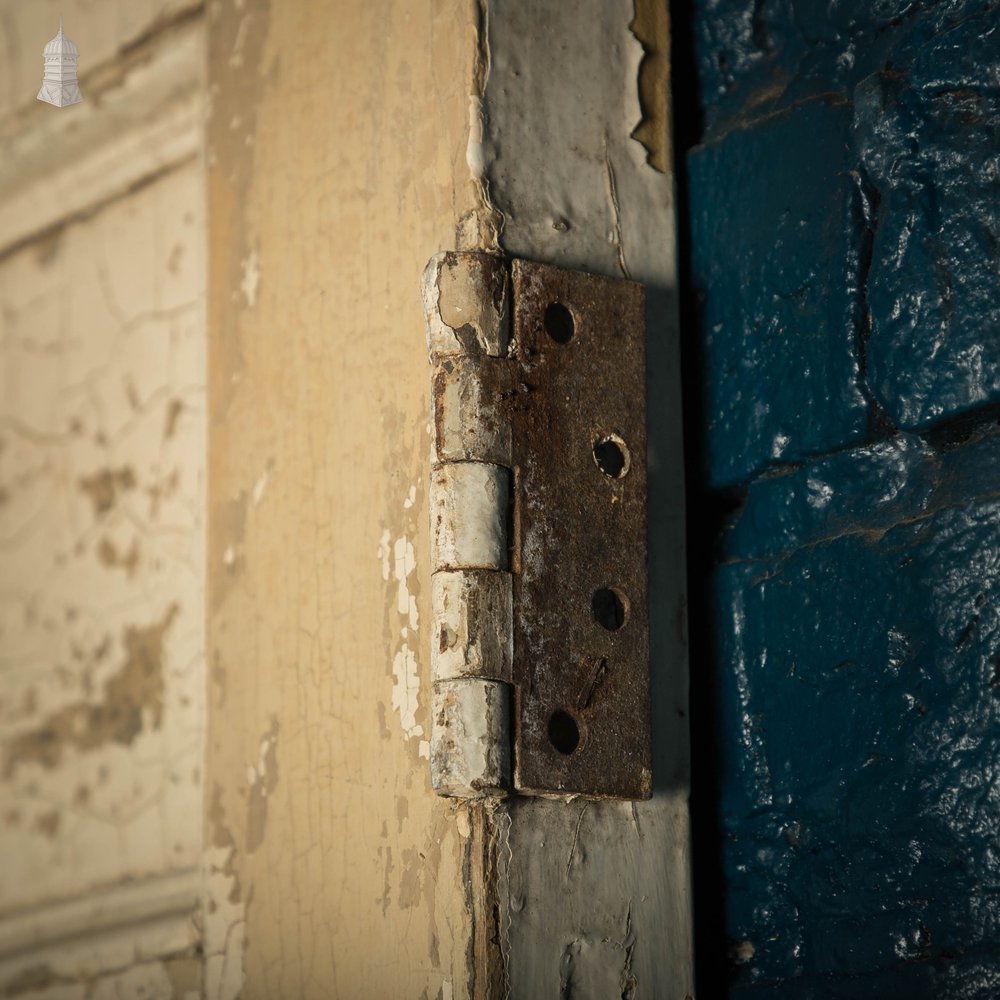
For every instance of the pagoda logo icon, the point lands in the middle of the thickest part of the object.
(60, 86)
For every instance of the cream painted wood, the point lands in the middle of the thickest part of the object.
(337, 169)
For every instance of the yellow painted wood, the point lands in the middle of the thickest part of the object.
(336, 169)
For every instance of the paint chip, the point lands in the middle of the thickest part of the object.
(251, 279)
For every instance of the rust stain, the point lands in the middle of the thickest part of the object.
(481, 864)
(106, 486)
(134, 690)
(582, 677)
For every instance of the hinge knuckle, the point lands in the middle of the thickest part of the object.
(466, 304)
(465, 301)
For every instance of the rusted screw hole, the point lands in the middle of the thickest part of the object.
(564, 733)
(559, 323)
(612, 456)
(609, 608)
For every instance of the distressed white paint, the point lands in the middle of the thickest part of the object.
(473, 623)
(405, 697)
(474, 155)
(466, 291)
(468, 423)
(468, 502)
(399, 563)
(406, 691)
(383, 553)
(405, 563)
(251, 278)
(223, 925)
(102, 470)
(470, 746)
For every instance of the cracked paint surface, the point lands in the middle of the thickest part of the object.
(336, 871)
(406, 679)
(102, 466)
(102, 470)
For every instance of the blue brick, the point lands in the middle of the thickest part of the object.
(928, 134)
(966, 977)
(860, 704)
(775, 267)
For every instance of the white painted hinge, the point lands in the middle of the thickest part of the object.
(465, 300)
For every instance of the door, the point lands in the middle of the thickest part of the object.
(348, 144)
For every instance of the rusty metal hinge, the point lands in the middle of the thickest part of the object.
(540, 638)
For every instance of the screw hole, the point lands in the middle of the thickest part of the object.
(609, 608)
(559, 323)
(564, 733)
(612, 456)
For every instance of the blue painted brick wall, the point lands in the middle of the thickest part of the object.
(845, 262)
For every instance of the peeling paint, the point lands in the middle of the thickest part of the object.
(488, 221)
(405, 666)
(406, 691)
(251, 278)
(109, 556)
(474, 156)
(101, 603)
(616, 216)
(260, 487)
(262, 780)
(405, 564)
(323, 618)
(651, 27)
(132, 699)
(223, 925)
(106, 486)
(384, 553)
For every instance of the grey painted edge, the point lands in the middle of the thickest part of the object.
(596, 896)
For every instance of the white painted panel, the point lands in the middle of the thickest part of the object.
(102, 465)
